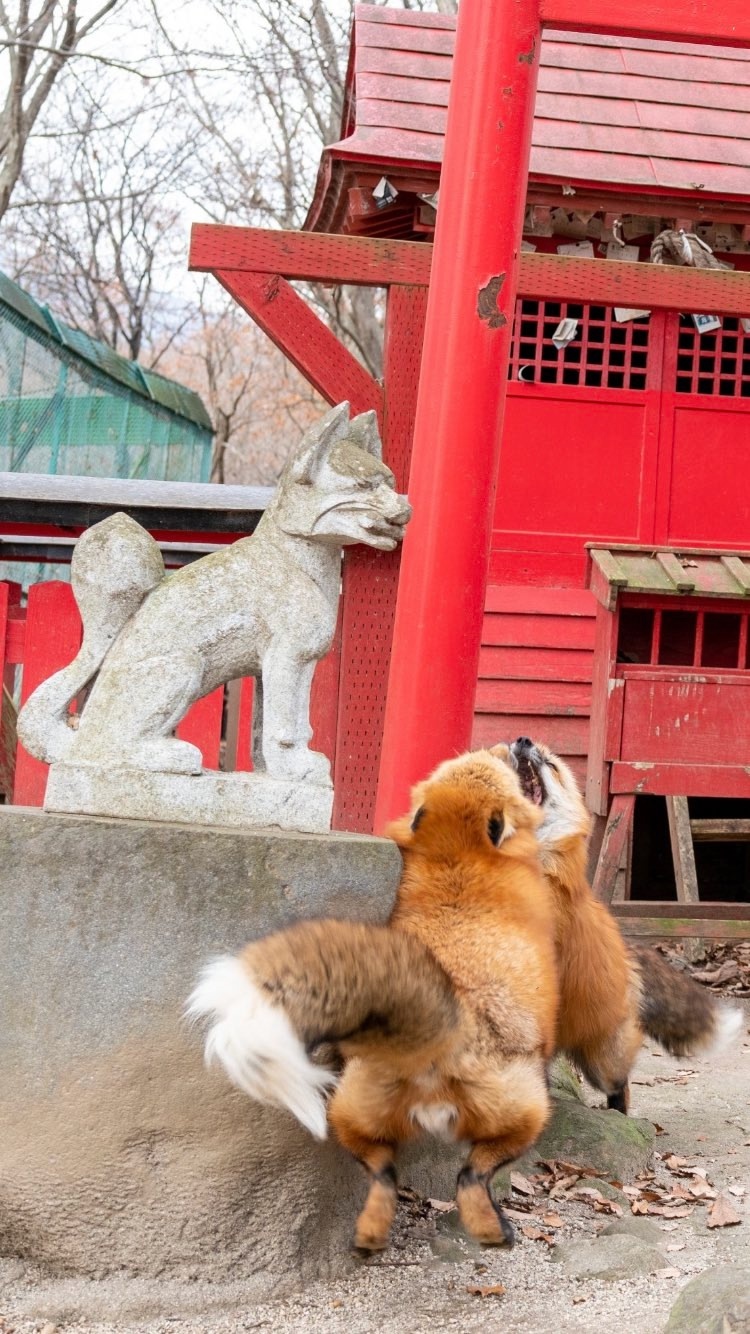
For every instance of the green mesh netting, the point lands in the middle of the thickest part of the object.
(69, 404)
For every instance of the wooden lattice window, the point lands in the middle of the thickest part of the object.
(683, 638)
(603, 353)
(713, 363)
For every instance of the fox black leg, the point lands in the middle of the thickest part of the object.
(618, 1099)
(479, 1211)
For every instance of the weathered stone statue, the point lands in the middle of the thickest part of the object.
(154, 643)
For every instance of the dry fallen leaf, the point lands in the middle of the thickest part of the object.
(536, 1234)
(739, 1191)
(667, 1273)
(552, 1220)
(442, 1206)
(676, 1246)
(494, 1290)
(521, 1184)
(723, 1214)
(581, 1298)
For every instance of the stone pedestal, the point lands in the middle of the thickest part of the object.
(119, 1151)
(236, 800)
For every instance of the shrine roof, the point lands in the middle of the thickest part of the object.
(630, 115)
(701, 573)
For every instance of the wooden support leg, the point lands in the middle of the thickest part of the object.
(683, 856)
(619, 824)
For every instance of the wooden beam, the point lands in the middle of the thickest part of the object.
(615, 839)
(643, 286)
(304, 339)
(361, 260)
(660, 921)
(713, 22)
(720, 831)
(310, 256)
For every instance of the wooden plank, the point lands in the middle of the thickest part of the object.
(713, 22)
(53, 637)
(538, 697)
(559, 82)
(646, 286)
(661, 780)
(309, 256)
(683, 855)
(565, 736)
(540, 601)
(77, 502)
(738, 571)
(10, 598)
(720, 831)
(313, 256)
(614, 844)
(674, 571)
(670, 927)
(238, 748)
(304, 339)
(539, 664)
(539, 631)
(202, 726)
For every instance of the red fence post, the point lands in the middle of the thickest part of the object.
(461, 393)
(10, 596)
(53, 637)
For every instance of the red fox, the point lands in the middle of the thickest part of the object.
(611, 994)
(445, 1016)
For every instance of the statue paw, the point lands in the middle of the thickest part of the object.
(300, 765)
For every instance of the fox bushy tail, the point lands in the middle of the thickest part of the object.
(357, 986)
(677, 1012)
(116, 563)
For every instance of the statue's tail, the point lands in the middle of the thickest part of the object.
(115, 564)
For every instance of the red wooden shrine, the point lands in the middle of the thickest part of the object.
(633, 432)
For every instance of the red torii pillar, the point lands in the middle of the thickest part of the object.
(438, 625)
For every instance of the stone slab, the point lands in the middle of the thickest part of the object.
(119, 1151)
(233, 800)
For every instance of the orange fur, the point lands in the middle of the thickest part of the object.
(445, 1017)
(610, 995)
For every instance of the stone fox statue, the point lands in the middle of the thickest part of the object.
(264, 606)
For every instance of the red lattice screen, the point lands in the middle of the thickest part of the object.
(715, 362)
(603, 353)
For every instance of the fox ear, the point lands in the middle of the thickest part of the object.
(318, 442)
(495, 828)
(364, 432)
(402, 831)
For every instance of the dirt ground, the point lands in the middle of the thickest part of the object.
(430, 1277)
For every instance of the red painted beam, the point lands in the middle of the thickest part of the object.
(304, 339)
(440, 607)
(309, 256)
(714, 22)
(643, 286)
(547, 277)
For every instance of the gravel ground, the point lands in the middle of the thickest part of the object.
(422, 1283)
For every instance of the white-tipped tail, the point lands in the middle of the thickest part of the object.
(257, 1046)
(728, 1024)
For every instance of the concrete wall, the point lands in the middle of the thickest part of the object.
(118, 1150)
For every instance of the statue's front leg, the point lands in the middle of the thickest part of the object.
(287, 680)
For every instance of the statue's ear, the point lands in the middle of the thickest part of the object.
(363, 430)
(318, 441)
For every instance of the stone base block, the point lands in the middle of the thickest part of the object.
(236, 801)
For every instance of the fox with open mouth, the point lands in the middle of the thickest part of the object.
(611, 994)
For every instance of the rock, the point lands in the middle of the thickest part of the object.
(642, 1228)
(616, 1145)
(716, 1302)
(564, 1081)
(609, 1258)
(611, 1192)
(619, 1146)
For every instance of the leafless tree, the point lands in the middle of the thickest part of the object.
(36, 42)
